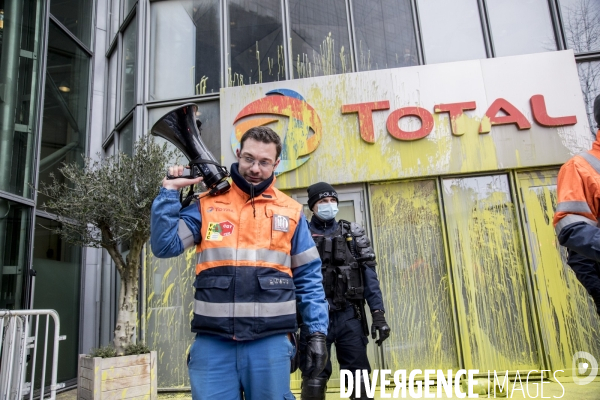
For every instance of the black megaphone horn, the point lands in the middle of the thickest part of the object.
(181, 128)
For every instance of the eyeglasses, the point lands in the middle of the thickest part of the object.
(261, 164)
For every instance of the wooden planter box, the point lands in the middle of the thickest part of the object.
(117, 378)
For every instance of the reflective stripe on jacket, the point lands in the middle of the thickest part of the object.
(244, 285)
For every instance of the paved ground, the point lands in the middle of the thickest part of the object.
(564, 390)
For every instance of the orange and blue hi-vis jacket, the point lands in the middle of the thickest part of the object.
(256, 261)
(578, 204)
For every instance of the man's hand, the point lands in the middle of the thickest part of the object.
(178, 183)
(316, 354)
(380, 325)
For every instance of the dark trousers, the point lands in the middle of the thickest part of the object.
(588, 273)
(345, 330)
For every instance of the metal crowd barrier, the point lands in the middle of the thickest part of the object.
(19, 351)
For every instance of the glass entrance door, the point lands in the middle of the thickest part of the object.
(414, 275)
(57, 286)
(493, 306)
(567, 314)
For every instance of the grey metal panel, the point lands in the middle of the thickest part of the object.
(96, 118)
(90, 300)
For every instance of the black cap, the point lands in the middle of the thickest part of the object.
(319, 191)
(597, 110)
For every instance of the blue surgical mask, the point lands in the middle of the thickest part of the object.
(327, 211)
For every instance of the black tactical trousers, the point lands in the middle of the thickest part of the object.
(588, 273)
(345, 330)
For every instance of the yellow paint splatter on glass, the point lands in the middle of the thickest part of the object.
(489, 275)
(414, 277)
(170, 297)
(567, 314)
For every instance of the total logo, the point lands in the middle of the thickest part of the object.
(303, 132)
(211, 209)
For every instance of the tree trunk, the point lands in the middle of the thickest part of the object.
(125, 329)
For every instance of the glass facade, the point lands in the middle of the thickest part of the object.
(113, 18)
(512, 36)
(126, 139)
(64, 128)
(577, 327)
(266, 41)
(64, 139)
(20, 40)
(15, 225)
(58, 265)
(444, 38)
(255, 46)
(580, 21)
(320, 38)
(384, 34)
(111, 94)
(74, 15)
(29, 154)
(589, 78)
(20, 32)
(128, 57)
(424, 335)
(582, 35)
(185, 46)
(489, 269)
(129, 5)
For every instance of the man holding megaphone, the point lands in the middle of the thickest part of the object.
(256, 261)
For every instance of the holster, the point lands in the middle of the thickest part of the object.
(359, 307)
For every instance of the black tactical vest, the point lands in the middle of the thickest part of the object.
(342, 274)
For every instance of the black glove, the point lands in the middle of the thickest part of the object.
(316, 354)
(380, 325)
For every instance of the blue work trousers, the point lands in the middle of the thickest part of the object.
(227, 369)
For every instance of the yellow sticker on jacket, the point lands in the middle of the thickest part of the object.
(218, 230)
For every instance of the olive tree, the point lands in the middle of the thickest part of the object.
(106, 204)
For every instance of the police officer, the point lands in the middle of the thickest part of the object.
(349, 278)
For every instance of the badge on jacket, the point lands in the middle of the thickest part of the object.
(281, 223)
(218, 230)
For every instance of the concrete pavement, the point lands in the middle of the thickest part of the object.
(562, 390)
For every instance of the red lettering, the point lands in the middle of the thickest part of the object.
(421, 113)
(365, 116)
(513, 116)
(538, 107)
(455, 110)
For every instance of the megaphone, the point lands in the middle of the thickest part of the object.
(181, 128)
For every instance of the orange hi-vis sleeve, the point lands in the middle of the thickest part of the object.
(578, 190)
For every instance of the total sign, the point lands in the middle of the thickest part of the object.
(470, 116)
